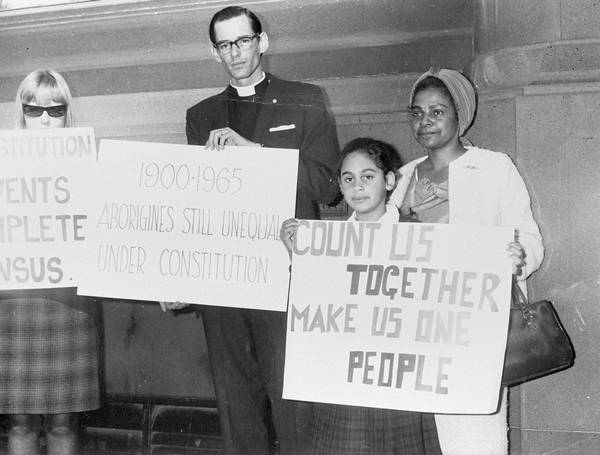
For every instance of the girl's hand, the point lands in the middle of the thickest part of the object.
(172, 305)
(517, 254)
(287, 232)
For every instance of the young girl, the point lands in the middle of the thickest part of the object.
(458, 183)
(48, 345)
(366, 176)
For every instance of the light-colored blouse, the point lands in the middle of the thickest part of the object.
(426, 201)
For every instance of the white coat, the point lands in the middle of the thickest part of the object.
(485, 188)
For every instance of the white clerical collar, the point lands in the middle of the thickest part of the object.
(248, 90)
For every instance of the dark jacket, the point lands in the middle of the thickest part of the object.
(293, 116)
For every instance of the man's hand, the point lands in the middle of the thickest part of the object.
(221, 137)
(172, 305)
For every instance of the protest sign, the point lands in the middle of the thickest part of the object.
(182, 223)
(408, 316)
(43, 219)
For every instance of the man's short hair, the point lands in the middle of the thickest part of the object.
(231, 12)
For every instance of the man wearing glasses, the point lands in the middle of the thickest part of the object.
(246, 347)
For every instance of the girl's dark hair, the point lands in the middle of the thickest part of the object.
(436, 83)
(384, 155)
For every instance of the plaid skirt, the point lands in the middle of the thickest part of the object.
(48, 357)
(355, 430)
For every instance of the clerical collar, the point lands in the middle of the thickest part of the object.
(248, 90)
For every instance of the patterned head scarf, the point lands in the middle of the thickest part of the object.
(462, 91)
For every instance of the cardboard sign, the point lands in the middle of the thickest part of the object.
(43, 219)
(410, 316)
(181, 223)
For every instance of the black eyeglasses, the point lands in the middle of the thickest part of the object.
(37, 111)
(242, 43)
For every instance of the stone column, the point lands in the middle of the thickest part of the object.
(537, 67)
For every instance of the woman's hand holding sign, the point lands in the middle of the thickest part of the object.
(517, 253)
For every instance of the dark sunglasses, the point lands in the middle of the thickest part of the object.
(37, 111)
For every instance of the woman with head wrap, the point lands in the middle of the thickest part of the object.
(461, 184)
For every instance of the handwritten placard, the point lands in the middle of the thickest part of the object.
(43, 219)
(408, 316)
(181, 223)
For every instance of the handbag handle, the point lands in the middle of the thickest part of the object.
(519, 301)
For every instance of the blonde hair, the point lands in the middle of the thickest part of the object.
(43, 86)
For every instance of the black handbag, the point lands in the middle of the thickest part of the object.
(537, 343)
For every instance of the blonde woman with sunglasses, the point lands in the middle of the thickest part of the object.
(48, 337)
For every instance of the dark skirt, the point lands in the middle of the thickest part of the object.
(355, 430)
(48, 356)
